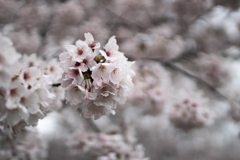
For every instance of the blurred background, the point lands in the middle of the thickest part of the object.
(186, 99)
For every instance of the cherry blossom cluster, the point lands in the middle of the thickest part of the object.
(24, 89)
(95, 80)
(159, 42)
(33, 147)
(53, 71)
(213, 69)
(136, 154)
(27, 145)
(107, 146)
(152, 85)
(190, 110)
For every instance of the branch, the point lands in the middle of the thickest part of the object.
(183, 56)
(203, 14)
(56, 85)
(188, 74)
(90, 123)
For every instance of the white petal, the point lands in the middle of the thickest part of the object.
(71, 48)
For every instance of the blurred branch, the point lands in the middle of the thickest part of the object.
(56, 84)
(140, 27)
(43, 33)
(184, 55)
(124, 21)
(185, 26)
(90, 122)
(203, 14)
(188, 74)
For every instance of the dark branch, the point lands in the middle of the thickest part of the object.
(56, 84)
(90, 122)
(188, 74)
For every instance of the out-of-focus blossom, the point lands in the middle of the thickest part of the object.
(106, 146)
(190, 110)
(25, 96)
(152, 86)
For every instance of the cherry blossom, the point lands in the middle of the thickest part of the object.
(95, 80)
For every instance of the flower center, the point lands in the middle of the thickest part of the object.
(76, 71)
(77, 64)
(13, 92)
(79, 51)
(26, 76)
(14, 78)
(85, 61)
(52, 69)
(108, 53)
(31, 64)
(23, 100)
(102, 67)
(116, 70)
